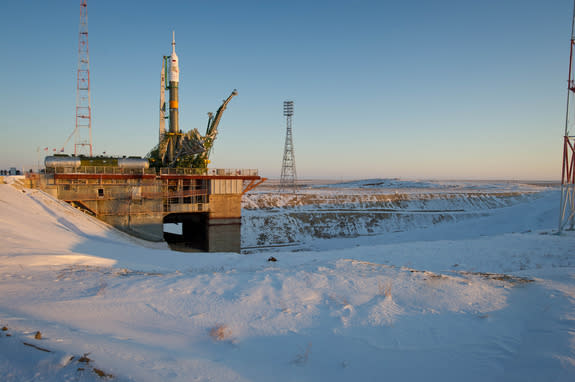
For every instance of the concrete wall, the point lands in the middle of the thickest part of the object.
(225, 206)
(226, 186)
(147, 227)
(224, 235)
(224, 228)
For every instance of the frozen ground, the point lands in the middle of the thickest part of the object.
(489, 296)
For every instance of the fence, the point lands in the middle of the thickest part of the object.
(209, 171)
(152, 171)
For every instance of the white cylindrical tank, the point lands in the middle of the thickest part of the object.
(133, 163)
(53, 161)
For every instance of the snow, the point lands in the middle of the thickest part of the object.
(488, 294)
(271, 219)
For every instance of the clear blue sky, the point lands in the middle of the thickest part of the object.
(412, 89)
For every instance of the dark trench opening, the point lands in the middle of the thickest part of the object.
(187, 232)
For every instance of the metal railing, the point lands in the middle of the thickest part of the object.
(152, 171)
(102, 170)
(193, 207)
(209, 171)
(127, 193)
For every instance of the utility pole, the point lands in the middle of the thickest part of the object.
(567, 211)
(288, 175)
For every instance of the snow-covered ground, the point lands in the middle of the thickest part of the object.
(486, 296)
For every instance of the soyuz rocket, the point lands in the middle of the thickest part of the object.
(174, 81)
(170, 69)
(174, 146)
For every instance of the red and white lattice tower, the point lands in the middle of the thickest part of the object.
(83, 131)
(567, 212)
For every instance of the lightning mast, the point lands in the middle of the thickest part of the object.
(288, 176)
(567, 212)
(83, 130)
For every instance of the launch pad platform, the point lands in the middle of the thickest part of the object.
(203, 204)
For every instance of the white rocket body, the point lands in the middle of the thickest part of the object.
(174, 80)
(174, 68)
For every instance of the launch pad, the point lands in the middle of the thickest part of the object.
(206, 205)
(171, 187)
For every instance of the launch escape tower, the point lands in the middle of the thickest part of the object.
(288, 175)
(567, 212)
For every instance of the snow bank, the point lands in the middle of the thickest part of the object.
(11, 179)
(37, 230)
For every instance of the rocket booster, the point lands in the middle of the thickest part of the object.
(162, 103)
(174, 81)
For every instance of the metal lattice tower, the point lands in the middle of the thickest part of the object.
(288, 175)
(83, 130)
(567, 212)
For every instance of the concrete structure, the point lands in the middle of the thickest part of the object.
(206, 204)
